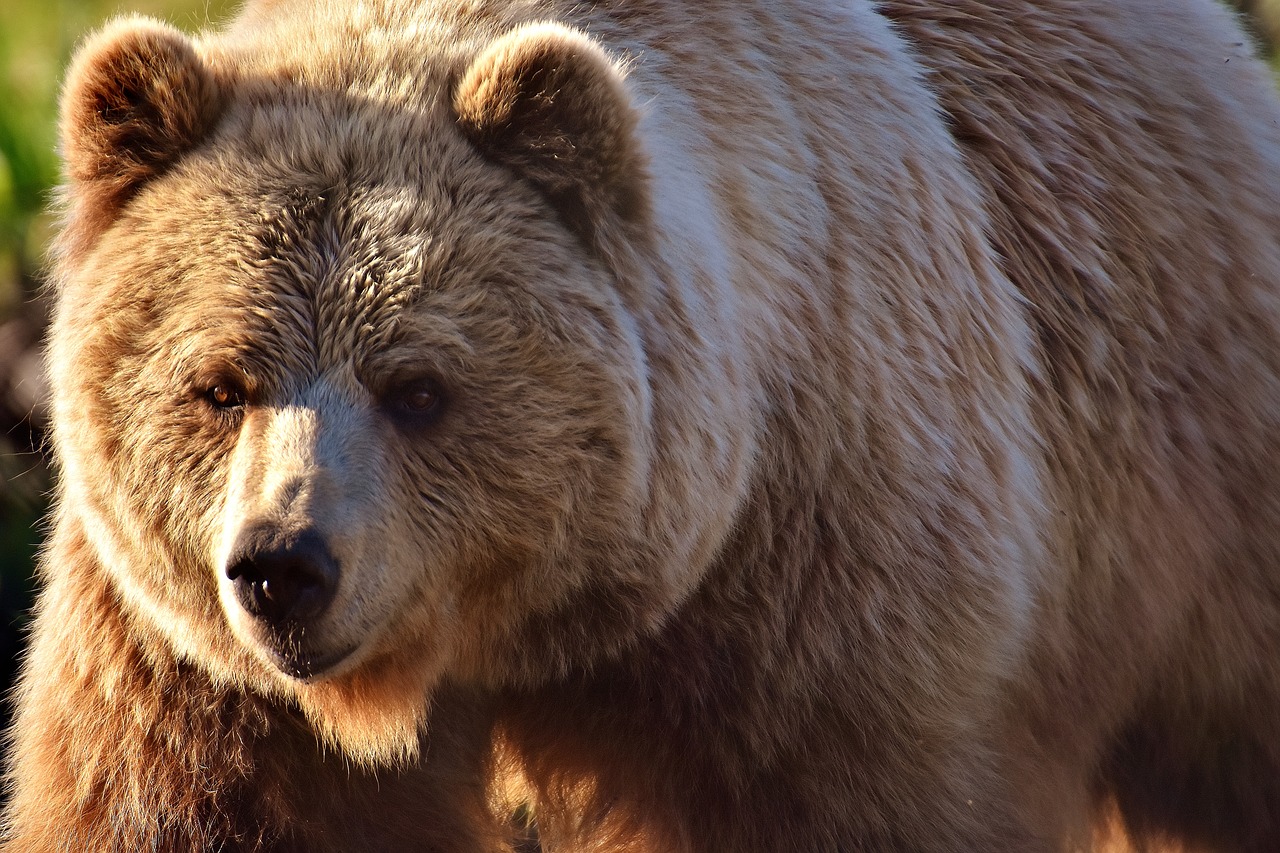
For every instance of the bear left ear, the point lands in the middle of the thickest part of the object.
(136, 97)
(547, 102)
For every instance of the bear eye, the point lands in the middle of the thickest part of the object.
(417, 401)
(225, 395)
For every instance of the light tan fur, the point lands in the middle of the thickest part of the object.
(755, 426)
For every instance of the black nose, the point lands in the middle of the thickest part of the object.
(283, 580)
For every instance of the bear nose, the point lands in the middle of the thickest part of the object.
(287, 582)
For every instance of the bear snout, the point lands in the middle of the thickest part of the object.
(285, 582)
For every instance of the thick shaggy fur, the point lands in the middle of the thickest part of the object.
(734, 426)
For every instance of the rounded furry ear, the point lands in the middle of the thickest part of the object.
(547, 102)
(136, 97)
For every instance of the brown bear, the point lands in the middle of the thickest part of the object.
(719, 426)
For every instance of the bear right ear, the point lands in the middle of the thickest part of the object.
(136, 97)
(547, 102)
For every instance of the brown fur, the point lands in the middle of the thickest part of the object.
(136, 99)
(853, 428)
(546, 103)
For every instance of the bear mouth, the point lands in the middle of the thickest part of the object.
(295, 660)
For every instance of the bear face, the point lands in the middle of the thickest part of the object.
(350, 419)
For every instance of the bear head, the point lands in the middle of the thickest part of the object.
(349, 393)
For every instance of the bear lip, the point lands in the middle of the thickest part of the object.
(301, 664)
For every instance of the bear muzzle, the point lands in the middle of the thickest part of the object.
(286, 582)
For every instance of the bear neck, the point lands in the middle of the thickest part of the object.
(758, 694)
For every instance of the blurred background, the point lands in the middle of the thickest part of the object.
(36, 39)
